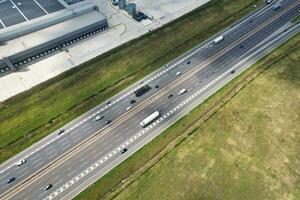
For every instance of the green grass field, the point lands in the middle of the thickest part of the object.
(30, 116)
(249, 149)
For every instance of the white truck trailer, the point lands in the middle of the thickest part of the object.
(148, 120)
(218, 39)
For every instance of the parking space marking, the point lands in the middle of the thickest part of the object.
(2, 23)
(41, 6)
(15, 6)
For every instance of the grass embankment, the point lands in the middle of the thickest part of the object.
(248, 149)
(30, 116)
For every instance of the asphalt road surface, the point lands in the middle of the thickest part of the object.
(88, 149)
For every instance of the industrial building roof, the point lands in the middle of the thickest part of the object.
(12, 12)
(42, 36)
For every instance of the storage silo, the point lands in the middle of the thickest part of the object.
(131, 9)
(122, 4)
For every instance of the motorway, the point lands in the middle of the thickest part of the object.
(88, 149)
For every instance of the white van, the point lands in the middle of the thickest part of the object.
(182, 91)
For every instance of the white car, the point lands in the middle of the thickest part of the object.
(20, 162)
(98, 117)
(182, 91)
(178, 73)
(128, 108)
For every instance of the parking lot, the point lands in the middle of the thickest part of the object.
(17, 11)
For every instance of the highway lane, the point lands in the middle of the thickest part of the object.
(50, 138)
(85, 128)
(126, 136)
(189, 88)
(80, 185)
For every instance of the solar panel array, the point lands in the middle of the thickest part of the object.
(17, 11)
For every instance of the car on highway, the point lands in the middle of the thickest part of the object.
(60, 131)
(107, 122)
(276, 6)
(98, 117)
(170, 96)
(47, 187)
(11, 179)
(128, 108)
(132, 101)
(123, 150)
(178, 73)
(182, 91)
(21, 162)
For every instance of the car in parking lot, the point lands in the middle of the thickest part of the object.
(20, 162)
(98, 117)
(60, 131)
(232, 72)
(108, 102)
(170, 96)
(11, 179)
(115, 2)
(188, 62)
(47, 187)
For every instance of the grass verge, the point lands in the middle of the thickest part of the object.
(242, 143)
(30, 116)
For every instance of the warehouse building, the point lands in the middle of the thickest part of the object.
(35, 41)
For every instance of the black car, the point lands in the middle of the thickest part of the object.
(132, 101)
(107, 122)
(188, 62)
(170, 96)
(11, 179)
(157, 86)
(47, 187)
(60, 131)
(108, 102)
(232, 72)
(123, 150)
